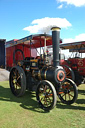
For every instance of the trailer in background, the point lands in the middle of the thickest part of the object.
(17, 50)
(2, 53)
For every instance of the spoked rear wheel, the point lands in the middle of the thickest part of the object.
(17, 81)
(46, 95)
(68, 92)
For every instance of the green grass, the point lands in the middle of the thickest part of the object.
(24, 112)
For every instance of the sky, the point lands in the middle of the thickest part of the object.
(21, 18)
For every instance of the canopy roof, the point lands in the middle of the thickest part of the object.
(33, 41)
(74, 46)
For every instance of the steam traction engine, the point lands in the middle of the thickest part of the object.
(36, 74)
(75, 64)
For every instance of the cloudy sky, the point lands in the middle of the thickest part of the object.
(20, 18)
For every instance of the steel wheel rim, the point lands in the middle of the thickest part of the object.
(67, 92)
(45, 95)
(15, 81)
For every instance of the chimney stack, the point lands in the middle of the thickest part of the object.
(55, 41)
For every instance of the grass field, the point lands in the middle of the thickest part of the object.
(24, 112)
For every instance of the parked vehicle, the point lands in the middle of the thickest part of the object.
(36, 73)
(76, 61)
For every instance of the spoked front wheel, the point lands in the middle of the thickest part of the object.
(17, 81)
(46, 95)
(68, 92)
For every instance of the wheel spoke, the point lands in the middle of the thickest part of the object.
(18, 85)
(68, 73)
(70, 95)
(69, 77)
(65, 96)
(61, 92)
(14, 73)
(18, 78)
(45, 101)
(45, 88)
(42, 98)
(49, 90)
(49, 99)
(15, 87)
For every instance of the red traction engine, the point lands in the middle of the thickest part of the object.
(75, 64)
(46, 80)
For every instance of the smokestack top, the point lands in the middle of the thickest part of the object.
(55, 28)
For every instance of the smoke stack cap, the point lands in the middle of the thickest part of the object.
(55, 28)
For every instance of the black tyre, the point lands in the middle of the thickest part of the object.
(68, 92)
(69, 72)
(46, 95)
(17, 81)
